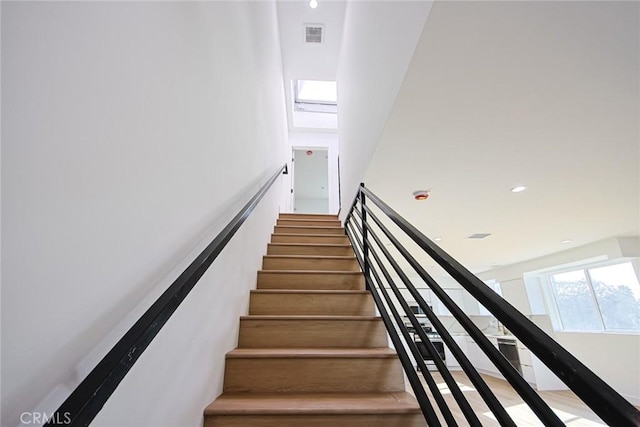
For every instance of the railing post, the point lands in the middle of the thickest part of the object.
(365, 244)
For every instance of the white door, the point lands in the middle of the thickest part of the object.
(310, 180)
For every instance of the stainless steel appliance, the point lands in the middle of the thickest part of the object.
(509, 349)
(437, 344)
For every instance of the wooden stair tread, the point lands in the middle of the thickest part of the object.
(309, 227)
(309, 353)
(348, 257)
(285, 215)
(310, 235)
(319, 222)
(309, 291)
(320, 272)
(305, 245)
(314, 221)
(312, 403)
(335, 238)
(302, 317)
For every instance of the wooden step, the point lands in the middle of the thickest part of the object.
(309, 223)
(312, 352)
(318, 280)
(325, 239)
(305, 262)
(298, 229)
(321, 217)
(289, 370)
(309, 249)
(312, 302)
(398, 409)
(312, 332)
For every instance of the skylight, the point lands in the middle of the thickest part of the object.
(315, 96)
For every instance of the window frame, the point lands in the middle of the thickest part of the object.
(552, 303)
(312, 105)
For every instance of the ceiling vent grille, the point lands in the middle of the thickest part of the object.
(313, 33)
(479, 236)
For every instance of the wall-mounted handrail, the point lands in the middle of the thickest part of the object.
(84, 403)
(599, 396)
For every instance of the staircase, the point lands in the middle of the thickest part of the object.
(311, 352)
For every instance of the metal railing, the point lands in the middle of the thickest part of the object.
(365, 228)
(84, 403)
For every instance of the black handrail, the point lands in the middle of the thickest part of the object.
(600, 397)
(84, 403)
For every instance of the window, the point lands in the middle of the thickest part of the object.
(494, 285)
(315, 96)
(598, 299)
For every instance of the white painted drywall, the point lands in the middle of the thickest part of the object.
(619, 364)
(131, 133)
(379, 39)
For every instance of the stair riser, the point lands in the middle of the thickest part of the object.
(311, 304)
(321, 217)
(309, 250)
(308, 223)
(327, 239)
(331, 264)
(309, 230)
(338, 420)
(310, 281)
(309, 333)
(312, 374)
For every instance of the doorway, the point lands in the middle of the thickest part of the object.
(310, 180)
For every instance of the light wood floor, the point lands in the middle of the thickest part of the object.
(569, 408)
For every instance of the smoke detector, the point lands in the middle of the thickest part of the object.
(421, 194)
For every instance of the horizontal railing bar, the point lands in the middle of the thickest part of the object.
(609, 405)
(84, 403)
(432, 351)
(435, 391)
(535, 402)
(483, 389)
(444, 409)
(463, 403)
(414, 380)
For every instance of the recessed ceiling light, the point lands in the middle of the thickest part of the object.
(567, 241)
(437, 239)
(518, 189)
(313, 4)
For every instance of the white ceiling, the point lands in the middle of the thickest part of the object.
(309, 61)
(505, 93)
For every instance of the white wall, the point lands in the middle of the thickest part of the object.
(131, 133)
(612, 356)
(379, 39)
